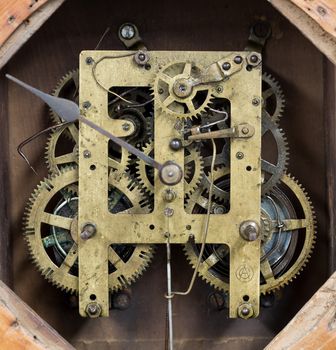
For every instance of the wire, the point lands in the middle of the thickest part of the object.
(206, 228)
(102, 37)
(94, 67)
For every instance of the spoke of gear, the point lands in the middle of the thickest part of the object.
(193, 169)
(62, 150)
(279, 264)
(50, 229)
(273, 97)
(175, 94)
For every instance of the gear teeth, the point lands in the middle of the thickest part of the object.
(272, 83)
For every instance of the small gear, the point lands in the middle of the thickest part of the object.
(175, 93)
(62, 150)
(193, 169)
(273, 97)
(284, 251)
(67, 87)
(50, 229)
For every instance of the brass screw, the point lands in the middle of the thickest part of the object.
(239, 155)
(256, 101)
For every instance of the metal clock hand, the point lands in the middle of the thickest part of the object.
(170, 173)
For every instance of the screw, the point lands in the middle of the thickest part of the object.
(219, 89)
(218, 210)
(256, 101)
(11, 19)
(86, 153)
(93, 310)
(126, 126)
(127, 31)
(89, 230)
(169, 195)
(89, 60)
(238, 59)
(161, 91)
(239, 155)
(254, 59)
(321, 10)
(141, 56)
(86, 105)
(169, 212)
(249, 230)
(175, 144)
(245, 311)
(226, 65)
(245, 130)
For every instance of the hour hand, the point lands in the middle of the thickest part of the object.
(170, 173)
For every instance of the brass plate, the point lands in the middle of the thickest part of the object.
(241, 88)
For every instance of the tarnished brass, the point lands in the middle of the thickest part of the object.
(240, 87)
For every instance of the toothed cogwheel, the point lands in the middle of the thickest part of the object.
(284, 253)
(67, 87)
(174, 91)
(50, 229)
(62, 150)
(273, 97)
(193, 169)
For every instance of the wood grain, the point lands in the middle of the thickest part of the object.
(324, 41)
(13, 13)
(22, 328)
(24, 29)
(314, 327)
(322, 11)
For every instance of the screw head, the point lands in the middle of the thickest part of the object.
(245, 130)
(141, 57)
(175, 144)
(219, 210)
(93, 310)
(249, 230)
(127, 31)
(169, 195)
(88, 231)
(239, 155)
(161, 91)
(126, 126)
(168, 212)
(238, 59)
(245, 311)
(89, 60)
(86, 104)
(256, 101)
(226, 65)
(254, 59)
(219, 89)
(86, 153)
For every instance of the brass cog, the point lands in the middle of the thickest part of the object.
(273, 97)
(176, 95)
(193, 170)
(126, 262)
(274, 273)
(57, 153)
(67, 87)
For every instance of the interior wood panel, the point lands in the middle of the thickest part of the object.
(173, 25)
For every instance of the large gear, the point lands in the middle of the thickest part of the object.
(284, 251)
(193, 169)
(50, 229)
(62, 150)
(273, 97)
(176, 96)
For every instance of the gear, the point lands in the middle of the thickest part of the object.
(67, 87)
(176, 95)
(193, 169)
(283, 253)
(272, 170)
(273, 97)
(57, 153)
(50, 229)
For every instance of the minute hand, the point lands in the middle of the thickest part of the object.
(69, 111)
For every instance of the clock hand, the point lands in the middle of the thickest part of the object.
(170, 173)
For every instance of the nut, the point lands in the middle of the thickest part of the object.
(93, 310)
(245, 311)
